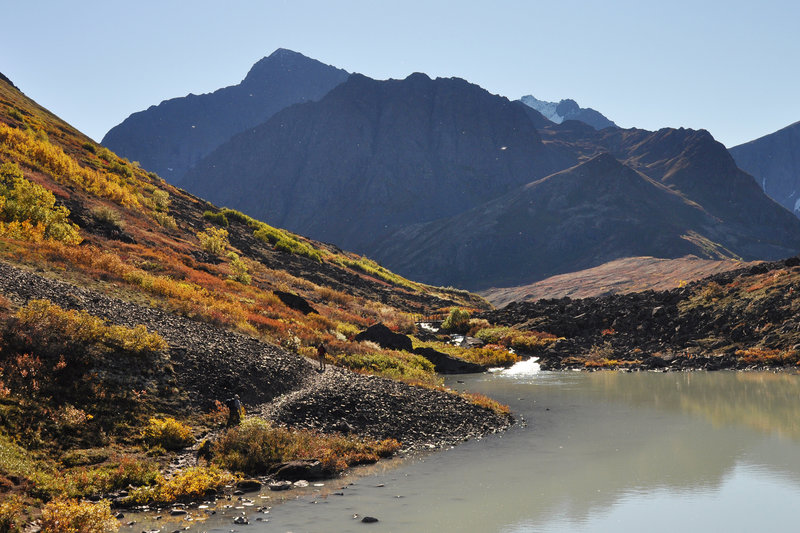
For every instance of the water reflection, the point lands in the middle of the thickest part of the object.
(601, 452)
(766, 402)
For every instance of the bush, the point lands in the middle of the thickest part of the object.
(239, 269)
(51, 328)
(457, 321)
(27, 202)
(216, 218)
(72, 516)
(168, 433)
(161, 200)
(255, 446)
(164, 220)
(11, 514)
(189, 484)
(213, 240)
(108, 217)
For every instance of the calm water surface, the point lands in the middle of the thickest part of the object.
(599, 452)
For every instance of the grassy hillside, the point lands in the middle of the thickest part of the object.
(129, 309)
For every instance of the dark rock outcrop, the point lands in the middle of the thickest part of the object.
(385, 338)
(308, 469)
(295, 302)
(445, 364)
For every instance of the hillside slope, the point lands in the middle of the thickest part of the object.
(594, 212)
(774, 161)
(171, 137)
(130, 310)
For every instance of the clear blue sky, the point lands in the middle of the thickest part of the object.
(730, 67)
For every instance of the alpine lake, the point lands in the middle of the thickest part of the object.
(591, 451)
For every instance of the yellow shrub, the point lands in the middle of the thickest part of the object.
(80, 326)
(213, 240)
(168, 433)
(73, 516)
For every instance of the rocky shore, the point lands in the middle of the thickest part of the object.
(208, 363)
(742, 319)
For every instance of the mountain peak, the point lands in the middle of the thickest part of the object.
(281, 59)
(568, 109)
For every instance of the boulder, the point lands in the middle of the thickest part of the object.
(445, 364)
(292, 301)
(385, 338)
(249, 485)
(301, 469)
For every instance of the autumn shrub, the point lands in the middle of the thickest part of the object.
(108, 217)
(239, 269)
(767, 357)
(368, 266)
(73, 516)
(160, 199)
(486, 402)
(11, 518)
(50, 328)
(255, 446)
(522, 341)
(164, 220)
(24, 202)
(216, 218)
(41, 154)
(395, 365)
(213, 240)
(457, 321)
(168, 433)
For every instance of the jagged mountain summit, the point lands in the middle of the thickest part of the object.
(172, 136)
(373, 156)
(559, 112)
(774, 161)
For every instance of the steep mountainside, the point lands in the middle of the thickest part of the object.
(774, 161)
(172, 136)
(376, 155)
(592, 213)
(738, 220)
(568, 110)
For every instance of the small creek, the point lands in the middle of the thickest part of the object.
(598, 452)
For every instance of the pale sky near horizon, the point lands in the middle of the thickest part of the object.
(728, 67)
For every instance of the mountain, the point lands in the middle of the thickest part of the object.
(595, 212)
(568, 110)
(372, 160)
(664, 194)
(774, 161)
(372, 156)
(172, 136)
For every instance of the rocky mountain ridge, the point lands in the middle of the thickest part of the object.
(171, 137)
(568, 109)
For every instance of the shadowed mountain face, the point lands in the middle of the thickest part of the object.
(171, 137)
(373, 156)
(688, 198)
(583, 216)
(774, 161)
